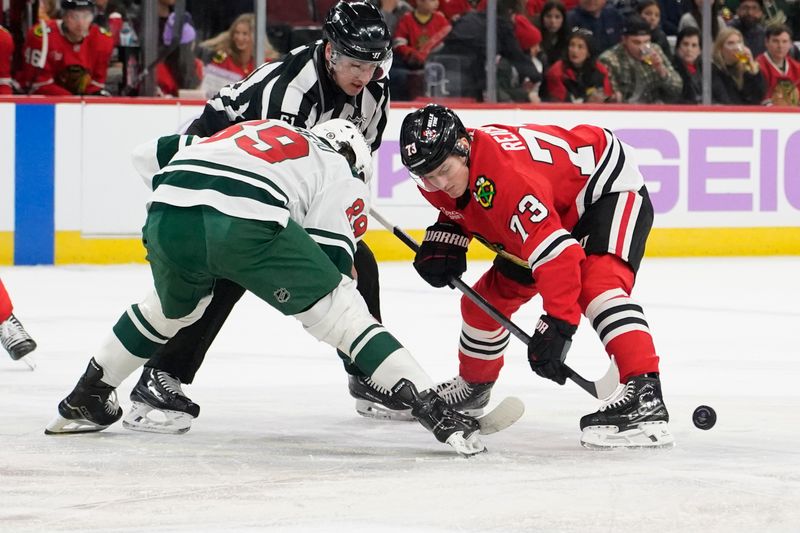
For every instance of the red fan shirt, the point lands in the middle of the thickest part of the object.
(6, 55)
(414, 40)
(55, 66)
(783, 84)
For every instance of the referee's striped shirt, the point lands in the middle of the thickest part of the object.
(298, 90)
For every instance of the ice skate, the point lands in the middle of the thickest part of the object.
(91, 406)
(17, 341)
(636, 418)
(448, 426)
(373, 401)
(158, 405)
(469, 398)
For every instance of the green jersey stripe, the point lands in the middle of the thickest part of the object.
(360, 337)
(197, 182)
(232, 172)
(132, 339)
(375, 351)
(321, 235)
(234, 206)
(149, 330)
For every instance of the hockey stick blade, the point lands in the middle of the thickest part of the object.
(504, 415)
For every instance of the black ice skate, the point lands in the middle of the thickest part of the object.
(451, 427)
(158, 404)
(17, 342)
(636, 418)
(469, 398)
(373, 401)
(91, 406)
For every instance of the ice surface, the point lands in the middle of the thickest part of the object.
(279, 447)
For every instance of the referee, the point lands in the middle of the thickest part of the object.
(342, 76)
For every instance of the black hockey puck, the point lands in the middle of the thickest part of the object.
(704, 417)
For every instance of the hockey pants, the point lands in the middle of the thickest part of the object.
(183, 355)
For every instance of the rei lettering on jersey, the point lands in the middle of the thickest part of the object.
(507, 140)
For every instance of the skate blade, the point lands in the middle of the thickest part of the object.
(466, 447)
(646, 435)
(370, 409)
(145, 418)
(64, 426)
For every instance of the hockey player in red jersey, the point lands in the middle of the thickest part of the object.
(568, 214)
(67, 56)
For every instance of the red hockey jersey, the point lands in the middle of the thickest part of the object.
(783, 84)
(528, 185)
(6, 55)
(415, 40)
(55, 66)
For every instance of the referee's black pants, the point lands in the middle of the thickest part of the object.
(184, 353)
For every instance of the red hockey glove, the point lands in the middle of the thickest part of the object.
(442, 254)
(548, 348)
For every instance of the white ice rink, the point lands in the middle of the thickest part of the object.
(278, 446)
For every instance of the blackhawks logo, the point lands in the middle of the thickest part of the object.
(484, 191)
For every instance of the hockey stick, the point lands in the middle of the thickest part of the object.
(601, 389)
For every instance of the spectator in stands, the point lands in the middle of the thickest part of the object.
(688, 65)
(468, 39)
(48, 10)
(736, 78)
(694, 17)
(781, 71)
(748, 20)
(509, 88)
(552, 23)
(650, 11)
(602, 20)
(232, 54)
(6, 56)
(393, 11)
(418, 33)
(639, 70)
(233, 50)
(109, 11)
(180, 68)
(68, 56)
(579, 77)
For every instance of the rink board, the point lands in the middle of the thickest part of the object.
(724, 181)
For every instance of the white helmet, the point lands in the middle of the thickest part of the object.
(348, 141)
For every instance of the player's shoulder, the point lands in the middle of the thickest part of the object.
(38, 30)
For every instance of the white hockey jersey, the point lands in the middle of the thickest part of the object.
(262, 170)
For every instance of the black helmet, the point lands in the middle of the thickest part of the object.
(428, 136)
(76, 4)
(357, 30)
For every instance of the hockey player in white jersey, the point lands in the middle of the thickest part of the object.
(279, 210)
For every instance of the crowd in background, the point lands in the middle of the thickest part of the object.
(594, 51)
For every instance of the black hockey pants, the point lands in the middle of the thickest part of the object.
(184, 353)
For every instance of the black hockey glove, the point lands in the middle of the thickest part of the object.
(548, 348)
(442, 254)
